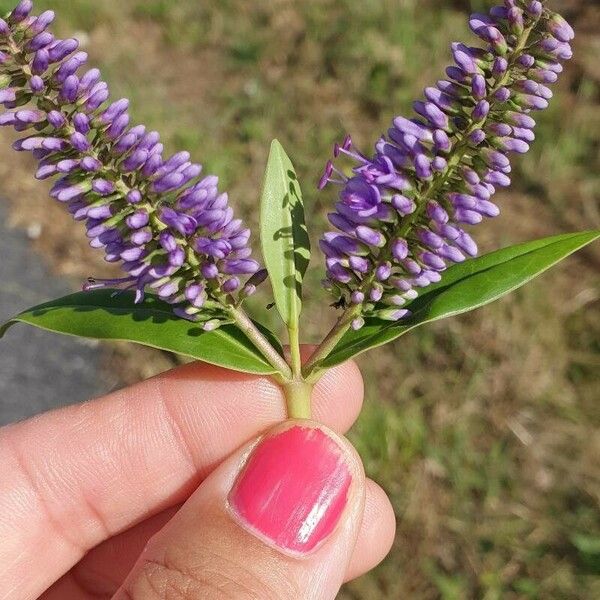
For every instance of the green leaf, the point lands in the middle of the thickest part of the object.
(464, 287)
(284, 238)
(104, 315)
(586, 544)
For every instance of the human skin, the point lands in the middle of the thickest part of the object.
(86, 488)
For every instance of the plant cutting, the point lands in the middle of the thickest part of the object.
(400, 252)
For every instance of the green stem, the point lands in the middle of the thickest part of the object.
(295, 358)
(311, 368)
(262, 343)
(298, 395)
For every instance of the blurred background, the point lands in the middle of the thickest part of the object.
(483, 429)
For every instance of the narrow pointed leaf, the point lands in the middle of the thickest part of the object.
(284, 238)
(464, 287)
(102, 315)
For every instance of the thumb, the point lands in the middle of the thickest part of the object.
(277, 520)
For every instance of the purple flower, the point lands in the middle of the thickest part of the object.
(172, 231)
(434, 173)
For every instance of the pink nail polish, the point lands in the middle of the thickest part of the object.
(293, 489)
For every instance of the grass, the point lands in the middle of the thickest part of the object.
(483, 429)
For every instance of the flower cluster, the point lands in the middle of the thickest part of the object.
(172, 230)
(400, 215)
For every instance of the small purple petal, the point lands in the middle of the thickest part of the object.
(103, 186)
(21, 11)
(502, 94)
(61, 50)
(451, 253)
(90, 164)
(230, 285)
(469, 217)
(432, 113)
(436, 212)
(36, 84)
(479, 87)
(80, 142)
(535, 8)
(560, 29)
(81, 123)
(41, 62)
(405, 206)
(421, 132)
(383, 271)
(56, 119)
(240, 267)
(399, 249)
(481, 110)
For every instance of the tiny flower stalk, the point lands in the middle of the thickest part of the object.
(401, 215)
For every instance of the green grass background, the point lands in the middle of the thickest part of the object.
(484, 429)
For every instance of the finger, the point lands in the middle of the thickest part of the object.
(103, 569)
(376, 533)
(278, 519)
(82, 474)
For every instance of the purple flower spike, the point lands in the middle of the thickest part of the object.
(433, 174)
(173, 233)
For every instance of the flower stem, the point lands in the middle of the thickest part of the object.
(297, 390)
(298, 396)
(295, 358)
(284, 373)
(312, 367)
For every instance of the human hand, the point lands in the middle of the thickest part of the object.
(130, 495)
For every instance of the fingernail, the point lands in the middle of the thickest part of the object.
(293, 489)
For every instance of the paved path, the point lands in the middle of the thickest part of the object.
(38, 369)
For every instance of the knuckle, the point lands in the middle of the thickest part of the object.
(211, 577)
